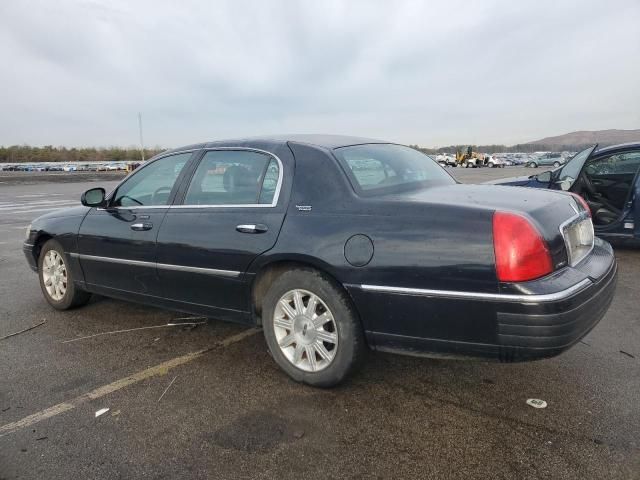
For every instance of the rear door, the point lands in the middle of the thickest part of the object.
(231, 212)
(117, 244)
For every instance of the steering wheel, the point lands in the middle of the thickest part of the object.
(160, 190)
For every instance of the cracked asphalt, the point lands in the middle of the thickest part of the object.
(229, 412)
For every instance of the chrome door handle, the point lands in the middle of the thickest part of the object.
(140, 227)
(252, 228)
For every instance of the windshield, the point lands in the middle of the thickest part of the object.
(376, 169)
(568, 174)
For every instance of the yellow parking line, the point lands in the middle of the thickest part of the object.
(160, 369)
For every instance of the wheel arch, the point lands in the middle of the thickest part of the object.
(267, 272)
(40, 240)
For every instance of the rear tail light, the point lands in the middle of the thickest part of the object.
(521, 252)
(582, 202)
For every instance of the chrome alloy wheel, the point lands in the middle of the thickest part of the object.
(305, 330)
(54, 275)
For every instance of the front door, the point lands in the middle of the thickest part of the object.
(231, 213)
(611, 181)
(117, 244)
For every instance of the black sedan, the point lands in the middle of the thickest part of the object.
(607, 178)
(335, 244)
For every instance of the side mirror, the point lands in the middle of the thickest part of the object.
(544, 177)
(93, 197)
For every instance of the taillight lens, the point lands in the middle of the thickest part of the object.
(582, 202)
(521, 252)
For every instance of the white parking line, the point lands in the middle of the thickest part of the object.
(154, 371)
(13, 206)
(40, 195)
(35, 210)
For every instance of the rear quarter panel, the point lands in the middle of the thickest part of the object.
(433, 246)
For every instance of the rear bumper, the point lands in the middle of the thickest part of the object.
(527, 332)
(528, 321)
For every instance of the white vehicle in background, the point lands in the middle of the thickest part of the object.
(446, 160)
(492, 161)
(69, 168)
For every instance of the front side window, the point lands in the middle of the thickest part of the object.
(152, 184)
(385, 168)
(234, 177)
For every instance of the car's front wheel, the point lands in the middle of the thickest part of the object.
(532, 165)
(556, 164)
(311, 328)
(56, 279)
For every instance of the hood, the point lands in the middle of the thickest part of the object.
(80, 210)
(512, 181)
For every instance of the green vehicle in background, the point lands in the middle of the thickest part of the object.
(546, 159)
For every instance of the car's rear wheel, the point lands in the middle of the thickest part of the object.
(490, 165)
(556, 164)
(311, 328)
(56, 279)
(532, 165)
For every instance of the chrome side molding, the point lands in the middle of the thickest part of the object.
(163, 266)
(494, 297)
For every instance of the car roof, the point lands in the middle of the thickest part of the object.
(621, 146)
(319, 140)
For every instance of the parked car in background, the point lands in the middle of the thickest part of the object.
(69, 168)
(492, 161)
(333, 244)
(446, 160)
(608, 179)
(546, 159)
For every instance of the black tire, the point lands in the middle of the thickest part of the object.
(73, 297)
(532, 165)
(556, 164)
(351, 347)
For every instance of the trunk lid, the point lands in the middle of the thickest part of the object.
(555, 214)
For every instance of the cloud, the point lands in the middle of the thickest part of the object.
(434, 73)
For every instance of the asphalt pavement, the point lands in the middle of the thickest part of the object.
(203, 398)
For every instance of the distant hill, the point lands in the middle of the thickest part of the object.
(586, 137)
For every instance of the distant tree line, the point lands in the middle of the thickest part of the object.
(48, 153)
(521, 147)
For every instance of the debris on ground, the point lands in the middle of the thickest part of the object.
(169, 386)
(22, 331)
(627, 354)
(298, 434)
(41, 438)
(192, 319)
(133, 330)
(102, 411)
(116, 413)
(536, 403)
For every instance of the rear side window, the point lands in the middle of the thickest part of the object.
(234, 177)
(376, 169)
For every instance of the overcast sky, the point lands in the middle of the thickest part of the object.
(429, 72)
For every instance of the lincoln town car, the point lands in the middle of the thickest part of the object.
(335, 245)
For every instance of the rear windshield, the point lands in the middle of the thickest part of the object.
(377, 169)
